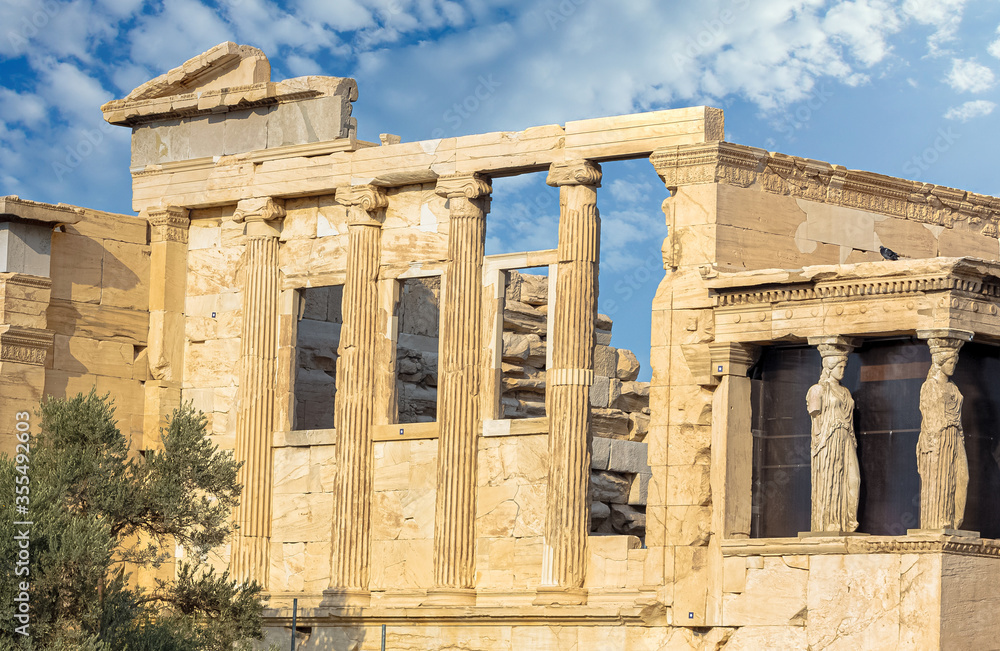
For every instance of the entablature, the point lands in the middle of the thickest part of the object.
(863, 299)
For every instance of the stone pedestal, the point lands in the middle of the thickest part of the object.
(250, 560)
(569, 378)
(458, 386)
(354, 412)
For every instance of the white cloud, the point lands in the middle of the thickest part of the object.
(974, 109)
(994, 47)
(944, 15)
(863, 25)
(969, 76)
(26, 108)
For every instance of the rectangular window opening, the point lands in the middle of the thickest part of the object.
(317, 340)
(418, 336)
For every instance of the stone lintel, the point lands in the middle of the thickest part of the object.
(13, 208)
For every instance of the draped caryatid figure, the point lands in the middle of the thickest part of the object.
(836, 475)
(941, 459)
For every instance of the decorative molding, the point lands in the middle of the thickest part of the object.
(723, 162)
(25, 280)
(470, 186)
(259, 209)
(579, 172)
(862, 544)
(25, 345)
(168, 224)
(848, 288)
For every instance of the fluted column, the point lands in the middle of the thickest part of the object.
(568, 382)
(255, 399)
(941, 458)
(355, 407)
(458, 388)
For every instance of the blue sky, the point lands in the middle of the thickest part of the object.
(903, 88)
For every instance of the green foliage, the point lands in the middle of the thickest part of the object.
(92, 502)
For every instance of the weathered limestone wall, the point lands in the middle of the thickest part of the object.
(98, 312)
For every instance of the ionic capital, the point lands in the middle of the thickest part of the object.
(363, 202)
(470, 186)
(169, 223)
(258, 209)
(578, 172)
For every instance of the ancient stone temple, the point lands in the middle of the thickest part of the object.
(451, 445)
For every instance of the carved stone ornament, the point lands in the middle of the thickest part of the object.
(836, 475)
(941, 458)
(470, 186)
(169, 224)
(25, 345)
(370, 198)
(258, 209)
(581, 172)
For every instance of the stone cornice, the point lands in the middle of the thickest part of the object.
(13, 207)
(723, 162)
(25, 280)
(970, 277)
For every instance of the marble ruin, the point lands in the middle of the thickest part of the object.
(447, 443)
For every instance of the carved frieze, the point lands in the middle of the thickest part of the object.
(24, 345)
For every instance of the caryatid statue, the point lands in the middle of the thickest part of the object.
(836, 475)
(941, 460)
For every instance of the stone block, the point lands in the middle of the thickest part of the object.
(91, 357)
(301, 517)
(632, 396)
(212, 271)
(638, 426)
(125, 275)
(853, 601)
(609, 423)
(77, 264)
(291, 470)
(639, 491)
(609, 487)
(25, 248)
(313, 120)
(402, 564)
(628, 457)
(688, 485)
(626, 365)
(523, 318)
(205, 136)
(605, 361)
(774, 595)
(245, 131)
(604, 392)
(600, 453)
(204, 235)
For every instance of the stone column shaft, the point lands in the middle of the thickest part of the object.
(569, 379)
(355, 407)
(458, 383)
(255, 404)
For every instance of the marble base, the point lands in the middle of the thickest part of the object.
(450, 597)
(340, 598)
